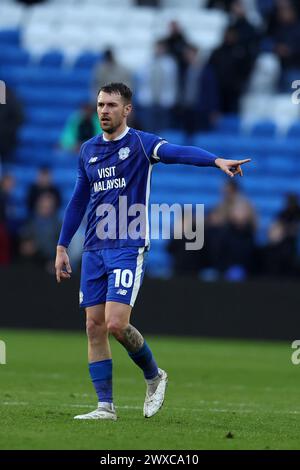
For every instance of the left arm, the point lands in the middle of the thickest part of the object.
(170, 153)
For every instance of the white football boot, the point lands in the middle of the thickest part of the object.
(104, 411)
(155, 394)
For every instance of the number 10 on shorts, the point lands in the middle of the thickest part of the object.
(123, 277)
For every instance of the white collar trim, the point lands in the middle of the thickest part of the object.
(119, 136)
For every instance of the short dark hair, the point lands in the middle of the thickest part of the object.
(118, 88)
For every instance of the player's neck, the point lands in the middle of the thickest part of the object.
(118, 132)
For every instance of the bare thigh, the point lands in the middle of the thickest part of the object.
(117, 315)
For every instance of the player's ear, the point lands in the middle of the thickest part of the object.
(127, 109)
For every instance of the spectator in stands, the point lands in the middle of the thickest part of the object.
(176, 44)
(157, 88)
(81, 126)
(232, 63)
(279, 253)
(265, 7)
(4, 235)
(199, 98)
(11, 117)
(42, 185)
(232, 199)
(148, 3)
(230, 232)
(239, 242)
(270, 10)
(38, 237)
(290, 215)
(185, 262)
(212, 259)
(31, 2)
(229, 240)
(287, 41)
(248, 34)
(10, 205)
(221, 4)
(109, 71)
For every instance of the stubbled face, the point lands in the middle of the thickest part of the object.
(112, 111)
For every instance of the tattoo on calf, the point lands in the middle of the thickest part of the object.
(132, 339)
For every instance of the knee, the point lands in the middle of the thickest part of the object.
(115, 328)
(95, 330)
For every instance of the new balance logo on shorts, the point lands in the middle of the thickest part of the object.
(122, 291)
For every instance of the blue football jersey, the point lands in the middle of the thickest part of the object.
(118, 174)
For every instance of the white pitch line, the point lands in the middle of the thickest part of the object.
(128, 407)
(14, 403)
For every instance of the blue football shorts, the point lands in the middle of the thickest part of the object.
(111, 274)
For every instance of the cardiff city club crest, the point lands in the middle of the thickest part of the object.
(124, 152)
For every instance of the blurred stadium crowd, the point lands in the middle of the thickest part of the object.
(215, 73)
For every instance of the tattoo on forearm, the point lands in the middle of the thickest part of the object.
(132, 339)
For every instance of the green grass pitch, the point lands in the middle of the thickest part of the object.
(221, 395)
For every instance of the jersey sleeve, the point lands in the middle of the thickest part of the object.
(151, 144)
(76, 208)
(187, 155)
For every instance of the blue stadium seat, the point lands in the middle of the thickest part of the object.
(64, 176)
(14, 55)
(227, 145)
(194, 183)
(53, 76)
(281, 165)
(64, 159)
(66, 196)
(52, 59)
(34, 155)
(173, 136)
(159, 262)
(40, 155)
(48, 116)
(291, 147)
(229, 124)
(11, 75)
(53, 96)
(265, 220)
(174, 196)
(269, 185)
(38, 135)
(23, 173)
(268, 204)
(208, 141)
(264, 129)
(87, 60)
(268, 146)
(9, 37)
(294, 130)
(45, 76)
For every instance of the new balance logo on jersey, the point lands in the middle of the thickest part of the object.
(124, 152)
(122, 291)
(93, 159)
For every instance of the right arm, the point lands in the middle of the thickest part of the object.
(72, 219)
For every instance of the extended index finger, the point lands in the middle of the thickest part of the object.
(244, 161)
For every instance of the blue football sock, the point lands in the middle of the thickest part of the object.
(144, 359)
(101, 375)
